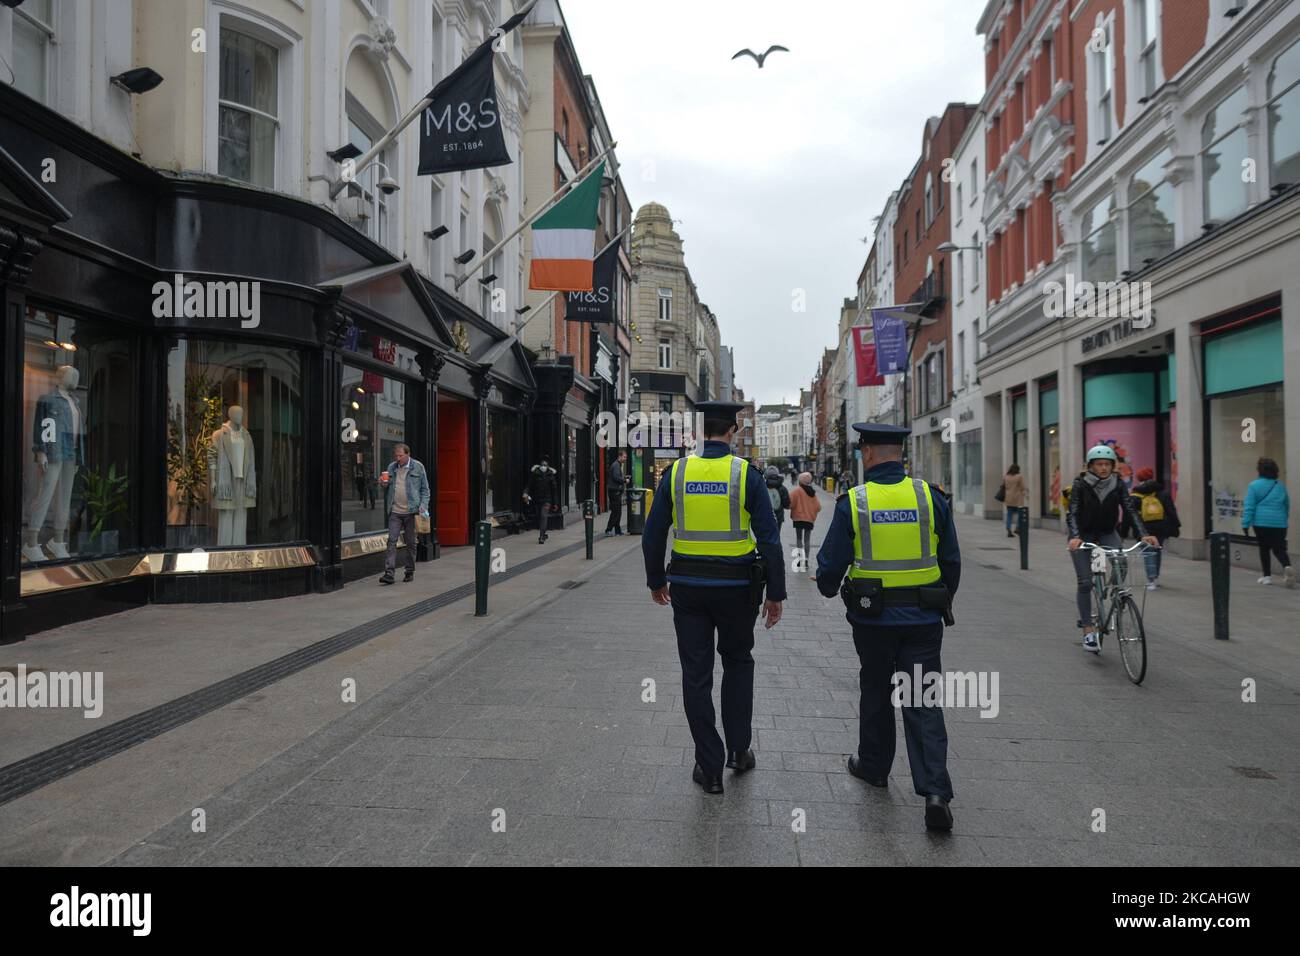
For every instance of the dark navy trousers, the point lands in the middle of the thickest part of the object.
(884, 650)
(699, 612)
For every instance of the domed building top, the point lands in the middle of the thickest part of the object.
(654, 210)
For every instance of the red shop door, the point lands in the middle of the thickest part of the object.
(453, 473)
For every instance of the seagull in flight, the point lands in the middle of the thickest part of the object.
(760, 57)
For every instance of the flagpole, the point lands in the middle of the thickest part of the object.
(366, 157)
(547, 301)
(556, 196)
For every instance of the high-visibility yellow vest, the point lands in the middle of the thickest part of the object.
(709, 515)
(899, 544)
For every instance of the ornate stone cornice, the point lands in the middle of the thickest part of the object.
(17, 250)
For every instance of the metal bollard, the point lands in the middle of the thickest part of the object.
(1022, 529)
(482, 566)
(589, 519)
(1220, 548)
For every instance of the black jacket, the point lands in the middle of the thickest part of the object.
(1088, 518)
(541, 484)
(778, 483)
(1169, 525)
(615, 477)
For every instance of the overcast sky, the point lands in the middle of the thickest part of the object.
(775, 173)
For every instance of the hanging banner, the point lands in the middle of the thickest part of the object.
(890, 333)
(462, 128)
(598, 304)
(865, 353)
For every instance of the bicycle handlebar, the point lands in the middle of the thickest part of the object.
(1139, 544)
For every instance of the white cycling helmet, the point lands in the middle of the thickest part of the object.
(1102, 451)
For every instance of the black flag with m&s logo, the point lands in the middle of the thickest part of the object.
(598, 304)
(461, 129)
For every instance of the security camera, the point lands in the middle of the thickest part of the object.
(388, 185)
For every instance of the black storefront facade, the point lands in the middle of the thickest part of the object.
(202, 383)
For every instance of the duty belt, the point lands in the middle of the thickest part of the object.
(711, 569)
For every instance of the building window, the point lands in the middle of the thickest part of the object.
(1150, 212)
(1049, 53)
(1148, 42)
(1223, 151)
(929, 201)
(974, 180)
(957, 211)
(959, 373)
(918, 227)
(1284, 117)
(665, 305)
(372, 204)
(975, 262)
(1103, 74)
(234, 444)
(248, 125)
(79, 388)
(33, 39)
(665, 353)
(1098, 231)
(961, 276)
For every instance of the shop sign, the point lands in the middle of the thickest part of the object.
(966, 415)
(1113, 334)
(386, 351)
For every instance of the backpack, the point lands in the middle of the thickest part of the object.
(1152, 509)
(774, 496)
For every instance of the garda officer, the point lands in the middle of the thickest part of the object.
(895, 537)
(725, 549)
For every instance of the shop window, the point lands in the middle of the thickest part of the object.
(79, 389)
(1098, 231)
(571, 463)
(503, 439)
(33, 42)
(377, 405)
(1232, 461)
(1284, 117)
(248, 123)
(234, 444)
(970, 467)
(1150, 212)
(1223, 150)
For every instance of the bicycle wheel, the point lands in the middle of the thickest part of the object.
(1098, 604)
(1132, 638)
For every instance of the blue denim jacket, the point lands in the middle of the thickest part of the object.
(417, 487)
(53, 406)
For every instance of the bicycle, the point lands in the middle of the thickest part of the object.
(1114, 606)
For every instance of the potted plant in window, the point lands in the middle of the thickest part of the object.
(103, 497)
(189, 433)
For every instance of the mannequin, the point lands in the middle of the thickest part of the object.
(58, 416)
(232, 478)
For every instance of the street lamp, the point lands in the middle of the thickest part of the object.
(953, 247)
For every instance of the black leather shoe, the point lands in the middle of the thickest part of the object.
(711, 782)
(856, 770)
(937, 814)
(387, 578)
(408, 577)
(741, 760)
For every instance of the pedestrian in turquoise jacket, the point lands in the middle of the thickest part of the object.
(1267, 510)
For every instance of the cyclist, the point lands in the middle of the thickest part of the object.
(1098, 501)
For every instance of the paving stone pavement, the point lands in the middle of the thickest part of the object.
(542, 749)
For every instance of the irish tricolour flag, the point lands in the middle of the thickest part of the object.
(564, 239)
